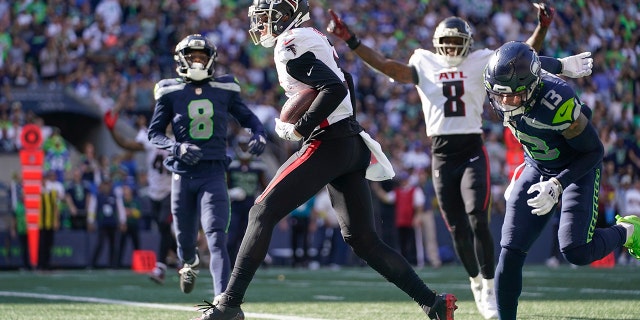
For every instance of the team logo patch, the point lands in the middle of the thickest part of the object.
(198, 91)
(292, 48)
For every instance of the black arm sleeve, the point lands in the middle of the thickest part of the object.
(158, 126)
(551, 65)
(590, 150)
(313, 72)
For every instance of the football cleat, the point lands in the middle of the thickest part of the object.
(633, 241)
(490, 307)
(188, 275)
(157, 274)
(442, 308)
(216, 310)
(476, 289)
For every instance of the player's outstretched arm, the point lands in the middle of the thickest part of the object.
(545, 17)
(397, 70)
(110, 119)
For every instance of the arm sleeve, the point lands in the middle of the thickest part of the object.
(551, 65)
(158, 126)
(332, 90)
(591, 151)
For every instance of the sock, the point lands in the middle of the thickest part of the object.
(629, 227)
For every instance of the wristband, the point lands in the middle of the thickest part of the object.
(557, 182)
(353, 42)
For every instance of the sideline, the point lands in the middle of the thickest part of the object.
(136, 304)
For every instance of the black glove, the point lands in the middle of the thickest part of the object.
(187, 152)
(257, 143)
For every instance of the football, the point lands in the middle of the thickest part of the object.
(297, 105)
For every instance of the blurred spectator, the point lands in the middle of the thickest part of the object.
(333, 251)
(130, 229)
(49, 221)
(246, 178)
(78, 198)
(19, 219)
(408, 202)
(107, 215)
(426, 234)
(302, 226)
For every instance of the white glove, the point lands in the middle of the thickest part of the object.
(548, 193)
(237, 194)
(577, 66)
(286, 131)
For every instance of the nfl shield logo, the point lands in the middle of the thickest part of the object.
(198, 91)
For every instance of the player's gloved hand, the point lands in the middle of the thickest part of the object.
(110, 119)
(286, 131)
(257, 143)
(237, 194)
(577, 66)
(548, 193)
(342, 31)
(187, 152)
(545, 14)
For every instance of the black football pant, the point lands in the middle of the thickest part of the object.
(462, 186)
(340, 164)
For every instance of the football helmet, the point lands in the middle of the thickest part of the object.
(512, 78)
(271, 18)
(453, 27)
(189, 65)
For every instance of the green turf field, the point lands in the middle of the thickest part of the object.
(283, 293)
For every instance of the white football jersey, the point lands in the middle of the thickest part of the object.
(452, 97)
(296, 42)
(158, 176)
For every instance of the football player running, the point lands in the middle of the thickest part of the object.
(335, 153)
(449, 82)
(563, 161)
(198, 107)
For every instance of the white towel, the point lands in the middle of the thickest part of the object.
(380, 167)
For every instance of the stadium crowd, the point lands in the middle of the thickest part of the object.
(111, 52)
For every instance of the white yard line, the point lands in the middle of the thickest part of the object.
(137, 304)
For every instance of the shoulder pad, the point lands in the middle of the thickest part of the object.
(558, 93)
(166, 86)
(226, 82)
(294, 43)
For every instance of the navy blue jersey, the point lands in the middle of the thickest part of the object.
(199, 114)
(540, 128)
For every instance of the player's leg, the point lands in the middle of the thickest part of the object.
(162, 209)
(184, 209)
(214, 218)
(580, 241)
(519, 230)
(297, 180)
(476, 192)
(351, 198)
(447, 177)
(475, 189)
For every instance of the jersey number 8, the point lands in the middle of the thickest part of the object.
(201, 115)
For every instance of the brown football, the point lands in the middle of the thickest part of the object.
(297, 105)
